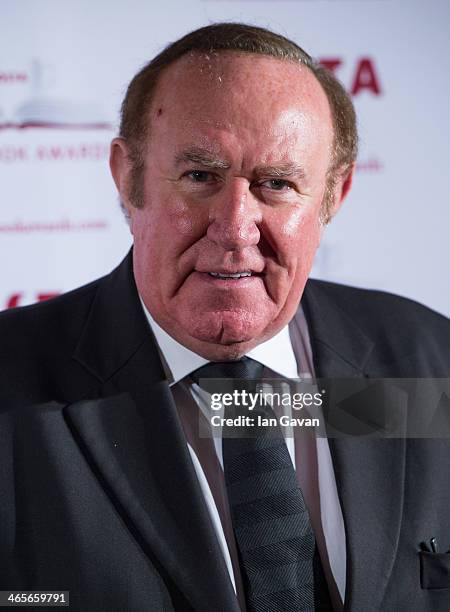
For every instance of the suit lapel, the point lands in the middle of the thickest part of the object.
(369, 473)
(140, 455)
(137, 447)
(340, 348)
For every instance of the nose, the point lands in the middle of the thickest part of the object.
(234, 216)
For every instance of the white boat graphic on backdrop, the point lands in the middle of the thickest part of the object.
(41, 110)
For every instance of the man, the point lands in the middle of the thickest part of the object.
(235, 150)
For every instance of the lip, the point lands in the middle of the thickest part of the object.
(229, 271)
(229, 283)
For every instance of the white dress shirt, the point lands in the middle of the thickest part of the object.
(317, 474)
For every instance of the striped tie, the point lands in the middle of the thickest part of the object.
(279, 563)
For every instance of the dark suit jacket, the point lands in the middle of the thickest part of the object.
(98, 492)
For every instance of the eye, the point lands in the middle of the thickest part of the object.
(277, 184)
(200, 176)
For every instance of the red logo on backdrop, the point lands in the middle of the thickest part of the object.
(365, 74)
(15, 299)
(13, 76)
(364, 78)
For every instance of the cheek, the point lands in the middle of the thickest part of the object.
(297, 235)
(182, 218)
(165, 224)
(291, 226)
(142, 227)
(173, 213)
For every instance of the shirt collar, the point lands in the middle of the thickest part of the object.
(275, 353)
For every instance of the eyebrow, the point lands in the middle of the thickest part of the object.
(207, 159)
(203, 157)
(281, 170)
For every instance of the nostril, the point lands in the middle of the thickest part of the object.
(232, 235)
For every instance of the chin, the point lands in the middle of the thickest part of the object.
(228, 327)
(219, 334)
(222, 352)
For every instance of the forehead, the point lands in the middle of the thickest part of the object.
(245, 93)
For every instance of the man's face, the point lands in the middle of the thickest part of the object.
(235, 175)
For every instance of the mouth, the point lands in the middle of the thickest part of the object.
(232, 275)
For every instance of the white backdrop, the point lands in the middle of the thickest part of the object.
(64, 67)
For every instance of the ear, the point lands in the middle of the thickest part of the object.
(344, 180)
(120, 166)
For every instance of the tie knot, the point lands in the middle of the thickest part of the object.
(244, 369)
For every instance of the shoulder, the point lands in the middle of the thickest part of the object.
(403, 332)
(37, 345)
(376, 307)
(64, 312)
(48, 350)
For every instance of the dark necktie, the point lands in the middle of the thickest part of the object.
(279, 563)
